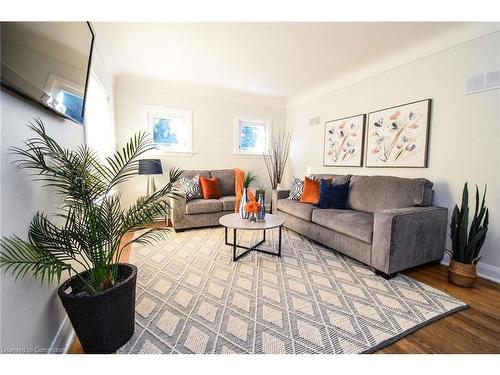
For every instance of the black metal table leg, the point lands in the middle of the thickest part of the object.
(279, 242)
(252, 248)
(234, 245)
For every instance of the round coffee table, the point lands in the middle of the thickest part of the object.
(234, 222)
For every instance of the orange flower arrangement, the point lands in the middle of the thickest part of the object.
(253, 207)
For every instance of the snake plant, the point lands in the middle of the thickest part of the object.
(86, 233)
(467, 242)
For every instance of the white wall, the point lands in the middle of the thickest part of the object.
(31, 314)
(214, 112)
(464, 132)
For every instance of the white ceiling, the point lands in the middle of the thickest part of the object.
(279, 59)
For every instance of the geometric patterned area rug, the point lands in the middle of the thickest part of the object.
(192, 298)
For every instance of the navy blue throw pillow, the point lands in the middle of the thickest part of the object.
(332, 196)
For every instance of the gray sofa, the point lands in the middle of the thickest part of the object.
(199, 213)
(390, 223)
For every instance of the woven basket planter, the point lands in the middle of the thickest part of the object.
(462, 274)
(103, 322)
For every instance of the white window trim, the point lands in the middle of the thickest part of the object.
(110, 108)
(236, 141)
(55, 82)
(169, 110)
(86, 127)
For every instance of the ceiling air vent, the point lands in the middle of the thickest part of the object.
(313, 121)
(492, 79)
(482, 82)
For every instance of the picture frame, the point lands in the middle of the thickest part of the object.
(398, 137)
(343, 141)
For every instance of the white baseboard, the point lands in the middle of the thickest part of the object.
(484, 270)
(63, 339)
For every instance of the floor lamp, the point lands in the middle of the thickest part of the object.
(150, 167)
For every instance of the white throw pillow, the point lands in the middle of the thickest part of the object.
(296, 189)
(191, 187)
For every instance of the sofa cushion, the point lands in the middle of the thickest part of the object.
(191, 187)
(332, 195)
(311, 191)
(295, 208)
(228, 202)
(210, 187)
(296, 189)
(336, 178)
(192, 173)
(226, 180)
(354, 224)
(377, 193)
(203, 206)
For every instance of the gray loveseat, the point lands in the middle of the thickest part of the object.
(199, 213)
(390, 223)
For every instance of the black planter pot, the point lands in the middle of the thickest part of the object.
(103, 322)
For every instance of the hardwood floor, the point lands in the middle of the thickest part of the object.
(474, 330)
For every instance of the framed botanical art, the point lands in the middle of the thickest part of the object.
(343, 142)
(398, 136)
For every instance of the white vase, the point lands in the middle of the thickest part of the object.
(244, 200)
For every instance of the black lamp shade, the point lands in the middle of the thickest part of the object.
(150, 166)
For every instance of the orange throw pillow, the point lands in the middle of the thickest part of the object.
(311, 191)
(210, 187)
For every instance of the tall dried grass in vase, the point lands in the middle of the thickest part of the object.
(277, 156)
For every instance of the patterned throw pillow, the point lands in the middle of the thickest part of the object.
(191, 187)
(296, 189)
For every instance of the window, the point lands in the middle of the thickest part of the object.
(251, 136)
(70, 104)
(99, 131)
(65, 96)
(171, 129)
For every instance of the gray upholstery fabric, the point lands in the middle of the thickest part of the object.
(295, 208)
(203, 212)
(226, 180)
(181, 220)
(192, 173)
(354, 224)
(377, 193)
(391, 226)
(347, 245)
(200, 206)
(178, 205)
(228, 202)
(199, 220)
(278, 194)
(408, 237)
(336, 178)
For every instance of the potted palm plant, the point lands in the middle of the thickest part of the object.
(99, 296)
(467, 246)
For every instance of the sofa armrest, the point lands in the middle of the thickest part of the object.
(278, 194)
(408, 237)
(178, 206)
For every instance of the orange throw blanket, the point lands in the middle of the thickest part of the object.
(239, 178)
